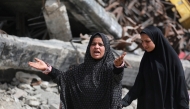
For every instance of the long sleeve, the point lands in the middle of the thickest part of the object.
(182, 94)
(135, 91)
(118, 70)
(118, 73)
(180, 88)
(56, 75)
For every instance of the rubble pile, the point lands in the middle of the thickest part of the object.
(29, 91)
(128, 18)
(134, 15)
(120, 19)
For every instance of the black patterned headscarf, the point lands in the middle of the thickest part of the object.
(93, 75)
(92, 84)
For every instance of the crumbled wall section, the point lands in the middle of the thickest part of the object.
(57, 20)
(94, 17)
(15, 52)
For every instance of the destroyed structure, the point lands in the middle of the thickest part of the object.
(57, 31)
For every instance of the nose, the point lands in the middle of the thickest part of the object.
(96, 46)
(144, 45)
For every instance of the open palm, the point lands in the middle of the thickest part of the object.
(38, 64)
(118, 61)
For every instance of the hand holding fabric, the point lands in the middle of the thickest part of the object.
(125, 101)
(39, 64)
(118, 61)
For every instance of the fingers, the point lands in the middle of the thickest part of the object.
(32, 64)
(38, 64)
(118, 61)
(35, 64)
(122, 56)
(38, 60)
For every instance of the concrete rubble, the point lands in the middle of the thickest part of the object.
(93, 16)
(16, 52)
(21, 95)
(57, 20)
(21, 89)
(29, 91)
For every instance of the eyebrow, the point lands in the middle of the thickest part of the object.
(147, 39)
(97, 42)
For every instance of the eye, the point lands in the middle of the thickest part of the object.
(147, 41)
(93, 44)
(101, 44)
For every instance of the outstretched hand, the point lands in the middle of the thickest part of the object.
(118, 61)
(38, 64)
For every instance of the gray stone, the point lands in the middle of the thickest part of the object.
(44, 84)
(16, 52)
(54, 106)
(94, 16)
(27, 107)
(3, 86)
(57, 20)
(19, 93)
(26, 77)
(25, 86)
(8, 102)
(187, 77)
(129, 76)
(15, 82)
(44, 107)
(33, 102)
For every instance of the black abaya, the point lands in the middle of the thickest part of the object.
(160, 83)
(94, 84)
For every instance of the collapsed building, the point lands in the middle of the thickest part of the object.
(75, 20)
(57, 31)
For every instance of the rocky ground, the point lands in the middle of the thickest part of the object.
(21, 94)
(25, 93)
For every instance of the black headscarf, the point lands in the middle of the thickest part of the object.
(160, 83)
(92, 84)
(92, 75)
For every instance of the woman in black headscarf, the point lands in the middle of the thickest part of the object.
(94, 84)
(160, 83)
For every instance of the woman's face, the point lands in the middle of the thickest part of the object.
(147, 43)
(97, 48)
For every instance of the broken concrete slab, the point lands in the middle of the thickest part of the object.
(93, 16)
(16, 52)
(57, 20)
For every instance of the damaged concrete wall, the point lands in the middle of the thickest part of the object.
(93, 16)
(17, 51)
(57, 20)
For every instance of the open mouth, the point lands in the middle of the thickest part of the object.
(96, 52)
